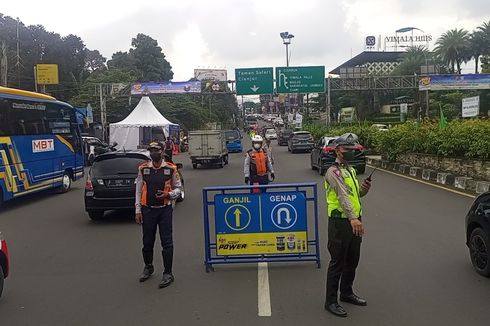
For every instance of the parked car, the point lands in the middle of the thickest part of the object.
(380, 127)
(478, 234)
(233, 140)
(93, 146)
(300, 141)
(283, 136)
(323, 156)
(270, 134)
(4, 262)
(110, 182)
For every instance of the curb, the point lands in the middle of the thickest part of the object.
(462, 184)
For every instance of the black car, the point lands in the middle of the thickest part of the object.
(300, 141)
(110, 182)
(478, 234)
(323, 156)
(283, 137)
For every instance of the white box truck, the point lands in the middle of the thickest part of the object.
(207, 147)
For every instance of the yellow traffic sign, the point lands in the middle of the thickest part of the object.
(47, 74)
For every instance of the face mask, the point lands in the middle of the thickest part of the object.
(155, 157)
(257, 146)
(348, 156)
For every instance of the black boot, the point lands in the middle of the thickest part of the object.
(147, 271)
(336, 309)
(167, 279)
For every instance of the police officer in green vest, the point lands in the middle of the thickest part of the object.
(345, 228)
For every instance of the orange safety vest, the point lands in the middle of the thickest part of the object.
(258, 162)
(155, 179)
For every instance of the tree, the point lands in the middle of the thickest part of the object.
(94, 61)
(149, 59)
(412, 59)
(478, 45)
(452, 48)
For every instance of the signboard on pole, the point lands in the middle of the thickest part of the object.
(268, 223)
(300, 79)
(211, 74)
(450, 82)
(47, 74)
(471, 106)
(254, 81)
(166, 88)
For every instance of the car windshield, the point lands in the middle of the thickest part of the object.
(231, 135)
(118, 165)
(270, 131)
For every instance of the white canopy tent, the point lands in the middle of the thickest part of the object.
(128, 133)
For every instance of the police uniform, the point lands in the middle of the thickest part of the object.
(257, 165)
(157, 212)
(343, 194)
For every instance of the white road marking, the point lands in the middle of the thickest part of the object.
(264, 297)
(424, 182)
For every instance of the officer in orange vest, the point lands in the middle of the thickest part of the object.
(157, 185)
(257, 165)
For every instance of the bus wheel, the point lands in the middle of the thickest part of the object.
(65, 183)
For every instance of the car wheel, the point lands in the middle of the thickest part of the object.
(361, 169)
(194, 165)
(95, 215)
(479, 246)
(2, 278)
(65, 183)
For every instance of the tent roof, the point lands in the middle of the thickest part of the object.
(145, 114)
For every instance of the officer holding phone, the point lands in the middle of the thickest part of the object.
(157, 185)
(345, 228)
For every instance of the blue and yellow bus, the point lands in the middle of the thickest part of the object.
(40, 144)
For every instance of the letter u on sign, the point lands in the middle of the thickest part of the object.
(42, 145)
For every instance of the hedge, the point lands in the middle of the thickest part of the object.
(460, 138)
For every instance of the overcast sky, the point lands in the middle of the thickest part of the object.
(245, 33)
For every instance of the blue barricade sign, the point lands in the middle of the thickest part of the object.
(261, 223)
(266, 226)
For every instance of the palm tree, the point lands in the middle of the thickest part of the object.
(478, 45)
(412, 59)
(452, 48)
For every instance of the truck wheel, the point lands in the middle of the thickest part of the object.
(479, 246)
(194, 165)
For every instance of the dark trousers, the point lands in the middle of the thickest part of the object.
(161, 218)
(345, 250)
(260, 179)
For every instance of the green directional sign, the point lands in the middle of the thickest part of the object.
(300, 79)
(253, 81)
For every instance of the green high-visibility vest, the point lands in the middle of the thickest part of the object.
(350, 179)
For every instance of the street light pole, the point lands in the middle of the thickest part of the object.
(286, 40)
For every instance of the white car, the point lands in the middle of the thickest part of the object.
(380, 127)
(270, 134)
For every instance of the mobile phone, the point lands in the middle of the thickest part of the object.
(369, 178)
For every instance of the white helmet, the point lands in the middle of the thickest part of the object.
(257, 139)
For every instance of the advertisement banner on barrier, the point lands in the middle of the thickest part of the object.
(266, 223)
(450, 82)
(166, 88)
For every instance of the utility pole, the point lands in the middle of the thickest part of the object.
(328, 102)
(3, 65)
(103, 113)
(18, 64)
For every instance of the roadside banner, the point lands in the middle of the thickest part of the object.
(449, 82)
(166, 88)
